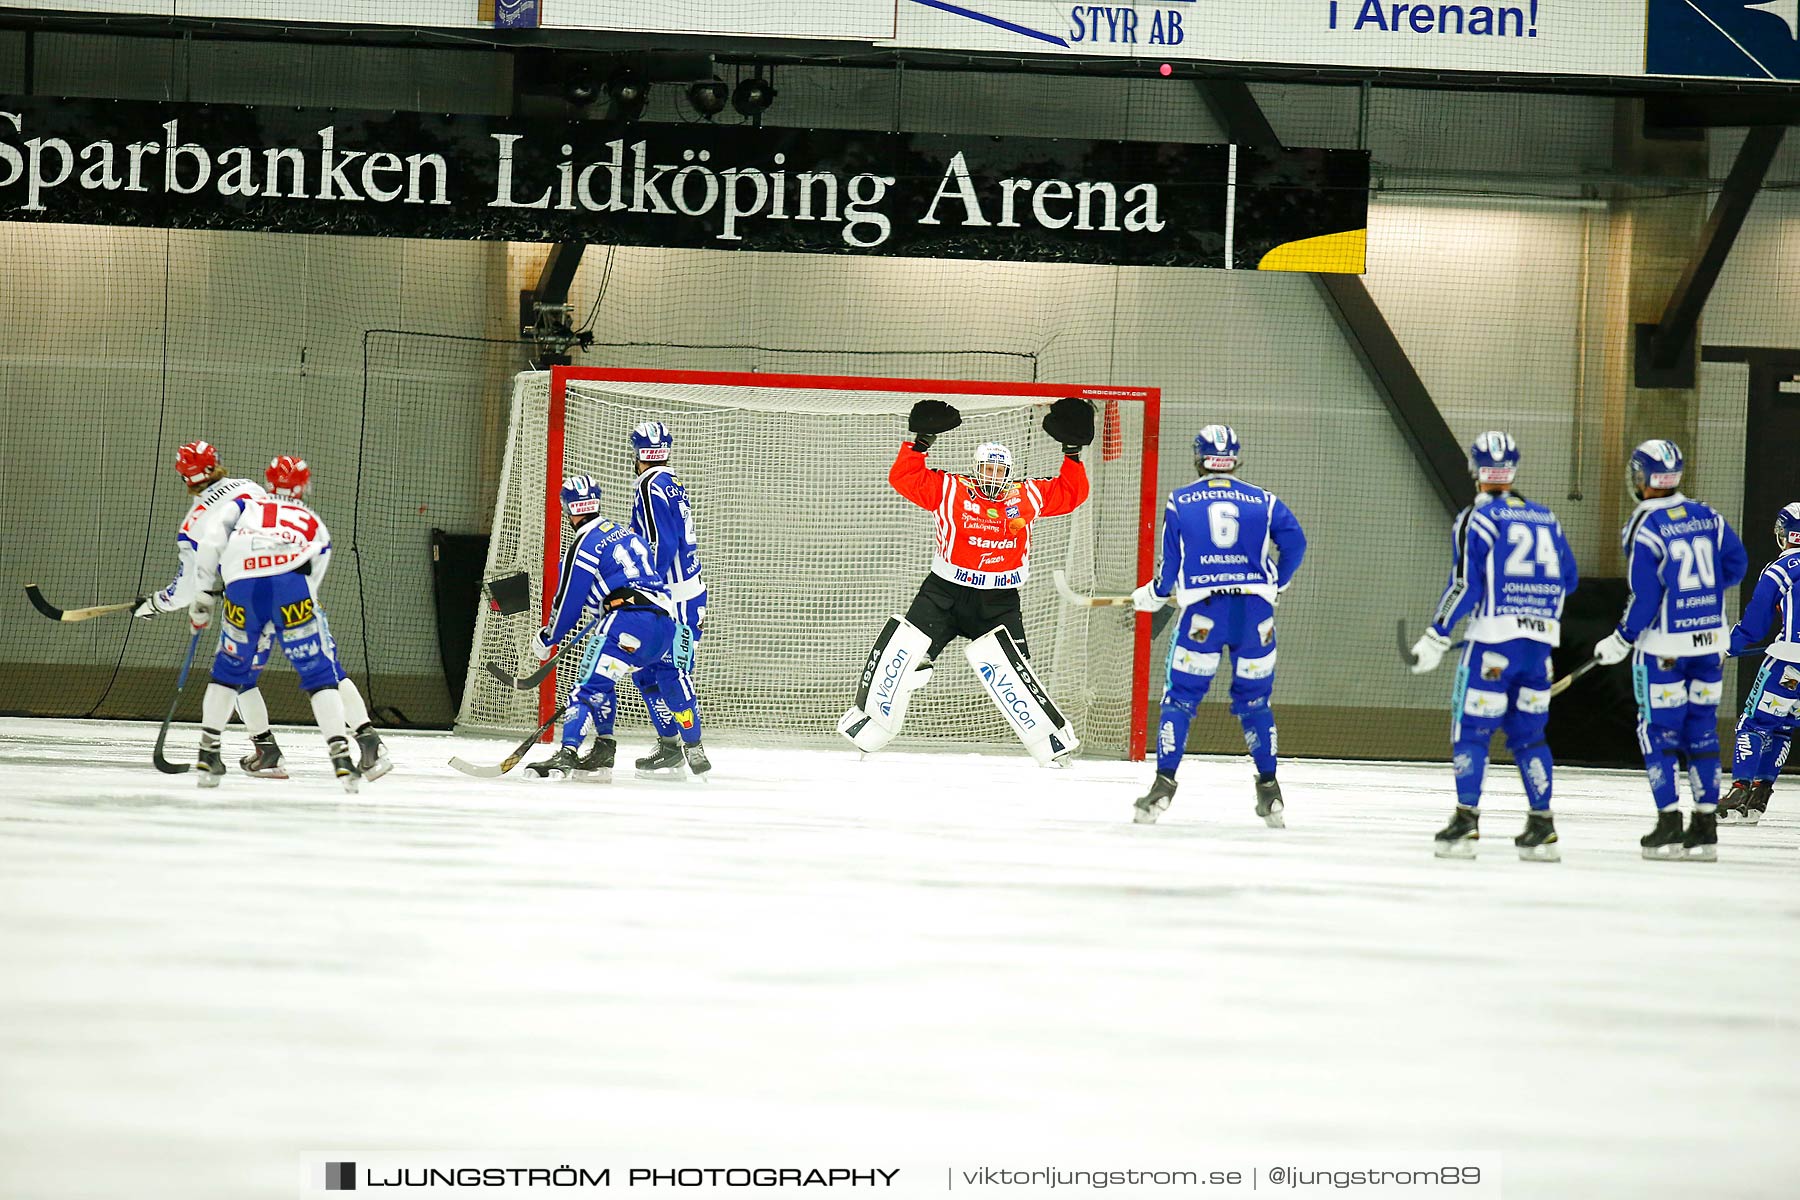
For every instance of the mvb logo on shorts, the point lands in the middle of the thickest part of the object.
(340, 1177)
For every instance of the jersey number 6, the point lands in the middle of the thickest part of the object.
(1222, 519)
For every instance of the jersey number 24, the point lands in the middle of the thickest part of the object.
(1520, 560)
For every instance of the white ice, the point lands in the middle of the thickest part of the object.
(913, 958)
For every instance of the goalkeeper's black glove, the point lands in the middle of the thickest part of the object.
(929, 418)
(1071, 422)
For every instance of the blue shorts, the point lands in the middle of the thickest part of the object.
(257, 610)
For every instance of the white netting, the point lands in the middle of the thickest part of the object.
(807, 550)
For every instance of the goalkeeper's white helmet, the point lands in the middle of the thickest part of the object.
(993, 468)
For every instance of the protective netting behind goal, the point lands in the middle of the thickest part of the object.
(807, 550)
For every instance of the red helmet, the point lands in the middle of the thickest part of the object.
(196, 460)
(288, 475)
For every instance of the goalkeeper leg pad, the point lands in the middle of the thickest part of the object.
(1009, 681)
(898, 666)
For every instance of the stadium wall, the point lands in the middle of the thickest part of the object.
(1486, 209)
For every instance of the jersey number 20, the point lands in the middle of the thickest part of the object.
(1694, 561)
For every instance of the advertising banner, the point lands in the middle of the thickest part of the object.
(1745, 39)
(1589, 37)
(287, 170)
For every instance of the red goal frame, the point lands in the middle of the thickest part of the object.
(1148, 495)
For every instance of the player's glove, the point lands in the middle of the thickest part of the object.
(541, 645)
(1613, 648)
(201, 609)
(1071, 422)
(1428, 651)
(146, 608)
(929, 418)
(1145, 599)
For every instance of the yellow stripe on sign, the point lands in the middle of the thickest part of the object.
(1333, 254)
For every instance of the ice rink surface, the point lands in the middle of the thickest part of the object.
(914, 958)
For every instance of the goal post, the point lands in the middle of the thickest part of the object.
(806, 549)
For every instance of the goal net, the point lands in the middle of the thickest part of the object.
(806, 549)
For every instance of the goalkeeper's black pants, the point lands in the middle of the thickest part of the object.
(944, 611)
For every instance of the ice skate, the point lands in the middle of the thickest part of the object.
(209, 767)
(1268, 803)
(1538, 842)
(372, 757)
(264, 760)
(1759, 800)
(597, 764)
(342, 764)
(666, 757)
(563, 762)
(1702, 842)
(1734, 806)
(1153, 803)
(1664, 842)
(1458, 838)
(697, 761)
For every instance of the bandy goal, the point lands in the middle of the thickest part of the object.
(806, 549)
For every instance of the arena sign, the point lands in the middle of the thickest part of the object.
(1577, 37)
(287, 170)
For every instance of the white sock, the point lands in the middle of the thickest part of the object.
(215, 706)
(254, 711)
(356, 713)
(328, 711)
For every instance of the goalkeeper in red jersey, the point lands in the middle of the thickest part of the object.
(981, 560)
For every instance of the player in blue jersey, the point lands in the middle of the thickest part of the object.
(1772, 712)
(662, 516)
(1229, 550)
(1511, 568)
(608, 576)
(1680, 556)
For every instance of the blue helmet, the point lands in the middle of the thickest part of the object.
(1787, 528)
(1494, 458)
(1217, 448)
(581, 498)
(1654, 464)
(651, 442)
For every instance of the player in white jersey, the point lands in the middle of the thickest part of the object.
(198, 465)
(271, 552)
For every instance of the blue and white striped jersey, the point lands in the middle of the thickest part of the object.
(1511, 568)
(1773, 604)
(1221, 534)
(606, 559)
(663, 517)
(1680, 556)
